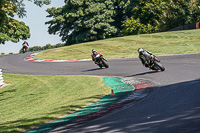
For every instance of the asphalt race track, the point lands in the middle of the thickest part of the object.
(173, 107)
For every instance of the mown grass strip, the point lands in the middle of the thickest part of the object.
(176, 42)
(32, 100)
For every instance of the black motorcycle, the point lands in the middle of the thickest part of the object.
(24, 48)
(155, 64)
(101, 61)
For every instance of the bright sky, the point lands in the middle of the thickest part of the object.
(36, 18)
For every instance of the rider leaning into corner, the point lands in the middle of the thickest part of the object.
(25, 43)
(95, 54)
(145, 56)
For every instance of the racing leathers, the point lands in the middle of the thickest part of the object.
(145, 57)
(95, 55)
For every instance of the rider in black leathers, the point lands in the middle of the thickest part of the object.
(25, 43)
(145, 57)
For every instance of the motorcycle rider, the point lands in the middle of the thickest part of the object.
(145, 57)
(25, 46)
(94, 55)
(25, 43)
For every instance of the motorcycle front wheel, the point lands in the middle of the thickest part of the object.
(24, 50)
(159, 66)
(105, 64)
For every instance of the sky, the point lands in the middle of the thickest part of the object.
(35, 19)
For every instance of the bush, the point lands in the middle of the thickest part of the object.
(134, 27)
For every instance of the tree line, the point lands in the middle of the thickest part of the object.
(88, 20)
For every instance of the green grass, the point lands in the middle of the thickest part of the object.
(176, 42)
(32, 100)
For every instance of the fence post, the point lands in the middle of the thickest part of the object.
(197, 25)
(1, 78)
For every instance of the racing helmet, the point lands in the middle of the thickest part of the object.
(94, 52)
(140, 50)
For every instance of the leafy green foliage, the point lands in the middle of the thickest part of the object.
(133, 27)
(11, 29)
(148, 11)
(122, 10)
(14, 30)
(82, 20)
(158, 15)
(178, 12)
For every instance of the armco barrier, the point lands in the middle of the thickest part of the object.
(1, 78)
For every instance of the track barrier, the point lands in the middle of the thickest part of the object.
(195, 25)
(1, 78)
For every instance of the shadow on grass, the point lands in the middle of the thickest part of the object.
(7, 91)
(82, 113)
(23, 124)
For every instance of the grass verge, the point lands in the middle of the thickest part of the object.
(176, 42)
(32, 100)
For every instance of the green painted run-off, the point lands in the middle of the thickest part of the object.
(121, 90)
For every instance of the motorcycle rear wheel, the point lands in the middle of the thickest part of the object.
(105, 64)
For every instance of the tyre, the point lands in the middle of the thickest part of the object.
(24, 50)
(100, 65)
(159, 66)
(105, 64)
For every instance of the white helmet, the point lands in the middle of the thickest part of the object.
(94, 52)
(140, 50)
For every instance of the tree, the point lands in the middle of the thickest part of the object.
(122, 10)
(10, 28)
(162, 15)
(148, 11)
(134, 27)
(82, 20)
(175, 13)
(195, 6)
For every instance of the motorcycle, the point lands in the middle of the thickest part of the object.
(24, 48)
(155, 64)
(101, 61)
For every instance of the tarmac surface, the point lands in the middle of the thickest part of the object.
(173, 106)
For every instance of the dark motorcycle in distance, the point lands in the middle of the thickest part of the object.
(155, 64)
(101, 61)
(24, 48)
